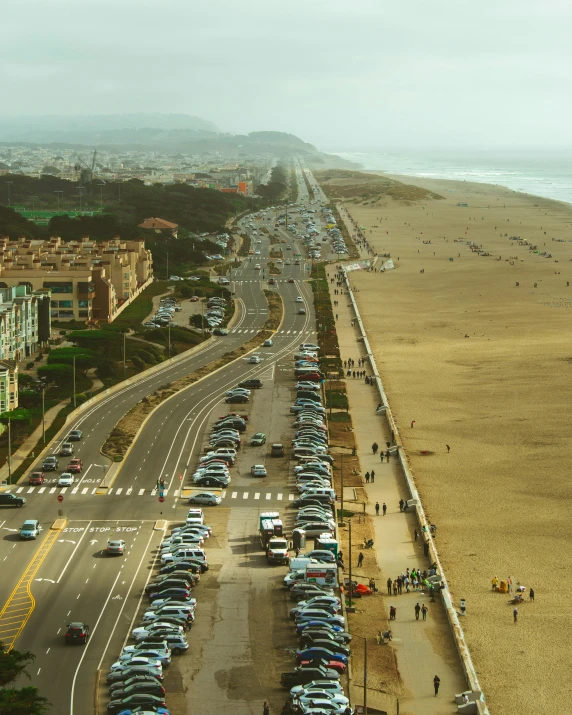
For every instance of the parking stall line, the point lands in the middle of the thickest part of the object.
(141, 492)
(279, 497)
(268, 496)
(291, 497)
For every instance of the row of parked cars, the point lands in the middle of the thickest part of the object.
(135, 680)
(323, 644)
(164, 314)
(338, 243)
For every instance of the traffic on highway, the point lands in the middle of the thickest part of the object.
(142, 586)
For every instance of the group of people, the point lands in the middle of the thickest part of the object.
(408, 580)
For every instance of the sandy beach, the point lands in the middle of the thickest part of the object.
(485, 366)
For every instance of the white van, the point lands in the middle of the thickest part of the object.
(183, 553)
(195, 516)
(320, 491)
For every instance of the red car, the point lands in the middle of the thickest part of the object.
(36, 478)
(194, 299)
(331, 664)
(75, 466)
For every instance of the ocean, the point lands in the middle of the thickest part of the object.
(541, 174)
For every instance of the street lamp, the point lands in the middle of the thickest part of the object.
(364, 639)
(33, 203)
(59, 195)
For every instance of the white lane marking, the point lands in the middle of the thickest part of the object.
(245, 495)
(73, 552)
(129, 490)
(141, 492)
(257, 495)
(84, 490)
(41, 490)
(291, 497)
(223, 495)
(234, 495)
(279, 497)
(118, 491)
(268, 496)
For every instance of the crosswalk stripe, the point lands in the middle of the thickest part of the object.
(245, 495)
(165, 492)
(94, 490)
(109, 490)
(118, 491)
(84, 490)
(20, 489)
(52, 490)
(64, 490)
(176, 494)
(74, 490)
(153, 492)
(279, 497)
(234, 495)
(291, 497)
(128, 492)
(41, 490)
(269, 496)
(30, 490)
(257, 495)
(141, 492)
(223, 495)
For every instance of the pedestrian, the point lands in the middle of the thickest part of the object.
(424, 610)
(531, 594)
(367, 477)
(401, 503)
(448, 448)
(354, 374)
(415, 534)
(412, 423)
(345, 364)
(374, 447)
(372, 476)
(395, 588)
(360, 560)
(377, 508)
(381, 455)
(436, 684)
(426, 548)
(354, 451)
(515, 614)
(509, 584)
(158, 484)
(388, 445)
(384, 507)
(399, 585)
(392, 613)
(417, 611)
(265, 709)
(389, 586)
(386, 456)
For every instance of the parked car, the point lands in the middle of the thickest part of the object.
(207, 498)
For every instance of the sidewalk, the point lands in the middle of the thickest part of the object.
(423, 649)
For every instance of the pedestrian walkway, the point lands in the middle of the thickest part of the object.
(423, 649)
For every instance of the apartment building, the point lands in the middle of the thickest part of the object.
(24, 322)
(89, 281)
(8, 385)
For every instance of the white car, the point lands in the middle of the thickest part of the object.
(66, 480)
(254, 360)
(299, 299)
(140, 634)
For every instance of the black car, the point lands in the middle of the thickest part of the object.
(11, 500)
(301, 676)
(116, 706)
(133, 680)
(146, 687)
(50, 464)
(167, 583)
(77, 632)
(180, 566)
(237, 398)
(220, 331)
(253, 382)
(75, 435)
(122, 676)
(219, 482)
(331, 645)
(231, 423)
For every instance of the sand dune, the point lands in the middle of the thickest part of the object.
(501, 398)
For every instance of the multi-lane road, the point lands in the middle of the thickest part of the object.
(65, 575)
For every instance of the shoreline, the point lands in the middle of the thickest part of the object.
(476, 350)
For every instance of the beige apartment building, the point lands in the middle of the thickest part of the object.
(89, 281)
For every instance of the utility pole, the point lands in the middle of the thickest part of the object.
(34, 203)
(101, 185)
(350, 561)
(167, 265)
(124, 357)
(74, 397)
(169, 334)
(43, 414)
(341, 520)
(57, 193)
(79, 190)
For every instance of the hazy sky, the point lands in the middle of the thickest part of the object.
(340, 74)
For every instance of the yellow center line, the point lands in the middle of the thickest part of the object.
(20, 604)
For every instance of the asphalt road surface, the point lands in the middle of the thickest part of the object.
(65, 575)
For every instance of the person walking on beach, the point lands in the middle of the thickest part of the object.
(395, 588)
(515, 615)
(412, 423)
(399, 585)
(392, 613)
(384, 507)
(424, 610)
(531, 594)
(436, 684)
(448, 448)
(401, 503)
(367, 477)
(377, 508)
(389, 586)
(360, 560)
(372, 476)
(374, 447)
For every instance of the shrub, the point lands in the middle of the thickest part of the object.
(146, 356)
(56, 370)
(107, 368)
(29, 365)
(137, 362)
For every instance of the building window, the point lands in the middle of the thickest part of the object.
(66, 313)
(66, 303)
(59, 287)
(83, 304)
(84, 313)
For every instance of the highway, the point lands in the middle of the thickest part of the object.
(66, 575)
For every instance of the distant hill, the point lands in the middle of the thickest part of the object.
(170, 133)
(100, 129)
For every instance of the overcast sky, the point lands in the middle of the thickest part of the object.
(340, 74)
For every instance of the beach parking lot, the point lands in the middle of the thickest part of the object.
(484, 365)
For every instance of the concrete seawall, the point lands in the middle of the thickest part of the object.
(424, 524)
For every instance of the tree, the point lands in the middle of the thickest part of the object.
(18, 701)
